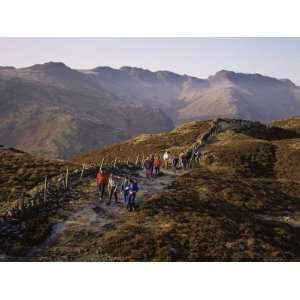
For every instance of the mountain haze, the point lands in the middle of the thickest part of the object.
(59, 112)
(186, 98)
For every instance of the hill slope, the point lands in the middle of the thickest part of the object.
(20, 172)
(54, 111)
(210, 213)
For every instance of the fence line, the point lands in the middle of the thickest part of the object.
(59, 186)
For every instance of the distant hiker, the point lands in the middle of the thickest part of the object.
(184, 160)
(147, 167)
(166, 158)
(157, 165)
(101, 180)
(133, 189)
(125, 189)
(189, 156)
(152, 165)
(198, 155)
(175, 163)
(113, 188)
(181, 160)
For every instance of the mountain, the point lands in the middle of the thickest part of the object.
(55, 111)
(185, 98)
(59, 112)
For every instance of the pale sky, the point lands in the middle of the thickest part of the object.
(201, 57)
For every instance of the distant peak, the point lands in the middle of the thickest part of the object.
(50, 65)
(224, 73)
(134, 69)
(103, 68)
(222, 76)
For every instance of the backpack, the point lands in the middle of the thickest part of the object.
(113, 181)
(134, 187)
(147, 164)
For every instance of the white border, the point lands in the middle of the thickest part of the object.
(149, 281)
(141, 18)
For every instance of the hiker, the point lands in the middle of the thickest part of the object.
(166, 158)
(152, 165)
(125, 189)
(197, 155)
(113, 188)
(157, 164)
(184, 161)
(175, 162)
(133, 189)
(101, 180)
(147, 167)
(180, 165)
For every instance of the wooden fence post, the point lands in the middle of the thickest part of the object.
(21, 202)
(101, 163)
(67, 178)
(45, 190)
(82, 171)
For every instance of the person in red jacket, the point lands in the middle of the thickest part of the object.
(101, 180)
(157, 165)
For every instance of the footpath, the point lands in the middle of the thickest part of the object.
(76, 227)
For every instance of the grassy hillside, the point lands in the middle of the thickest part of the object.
(206, 216)
(240, 203)
(175, 140)
(289, 123)
(20, 172)
(233, 207)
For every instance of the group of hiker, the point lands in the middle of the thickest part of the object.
(128, 186)
(152, 166)
(115, 184)
(181, 161)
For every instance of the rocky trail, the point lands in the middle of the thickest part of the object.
(87, 216)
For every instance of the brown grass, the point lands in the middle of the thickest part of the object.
(175, 140)
(206, 216)
(20, 172)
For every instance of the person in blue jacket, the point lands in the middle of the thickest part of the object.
(125, 190)
(133, 189)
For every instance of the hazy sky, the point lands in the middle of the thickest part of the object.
(201, 57)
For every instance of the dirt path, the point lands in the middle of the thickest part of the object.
(72, 233)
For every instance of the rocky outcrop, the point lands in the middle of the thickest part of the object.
(250, 128)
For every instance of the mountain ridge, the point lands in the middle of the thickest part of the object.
(108, 105)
